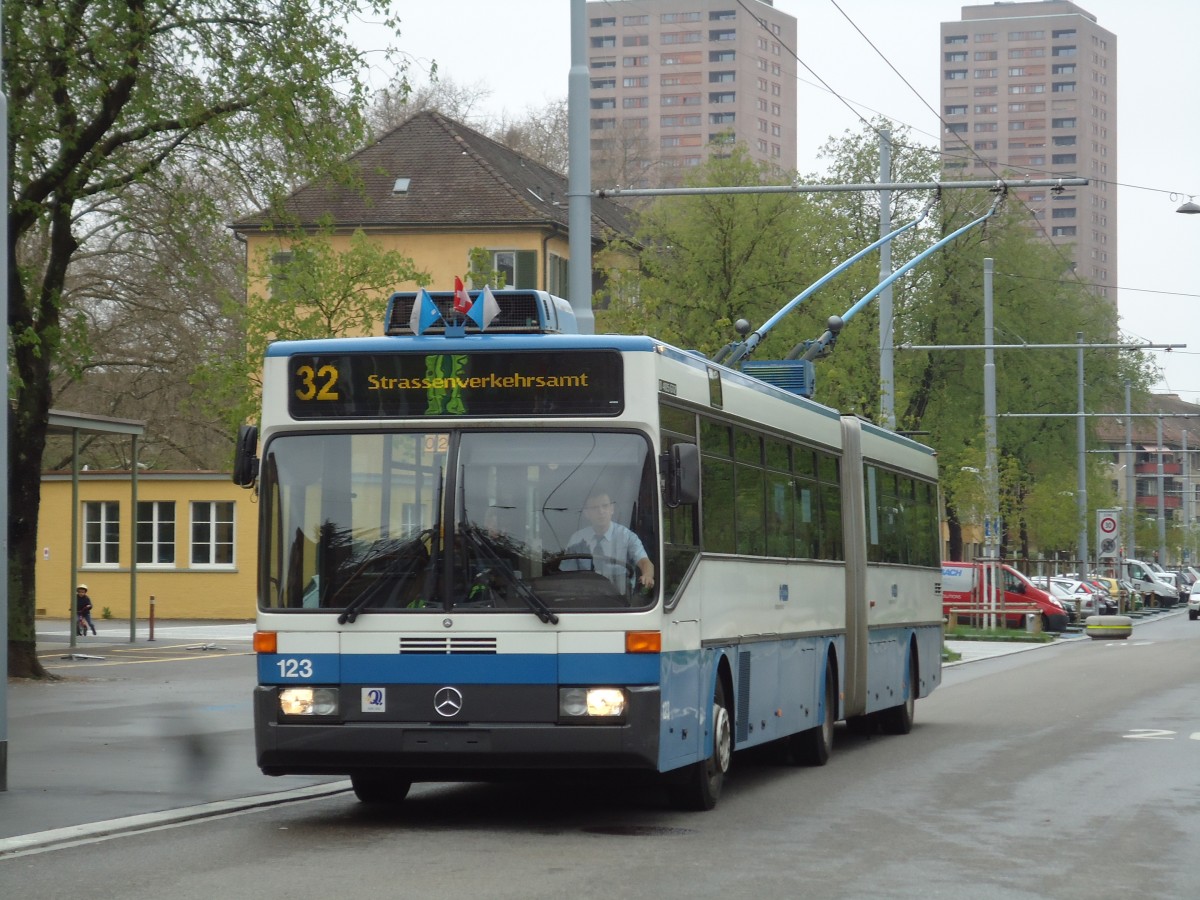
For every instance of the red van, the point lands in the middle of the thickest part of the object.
(962, 586)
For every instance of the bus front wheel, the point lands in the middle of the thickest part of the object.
(700, 784)
(379, 787)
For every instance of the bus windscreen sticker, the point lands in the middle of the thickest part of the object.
(414, 385)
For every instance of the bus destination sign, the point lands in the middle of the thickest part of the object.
(415, 385)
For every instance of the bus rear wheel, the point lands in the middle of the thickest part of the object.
(701, 782)
(814, 746)
(899, 719)
(379, 787)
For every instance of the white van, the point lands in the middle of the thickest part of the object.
(1147, 583)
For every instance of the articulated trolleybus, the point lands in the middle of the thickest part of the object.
(502, 551)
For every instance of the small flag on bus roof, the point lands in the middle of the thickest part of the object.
(424, 312)
(462, 300)
(484, 309)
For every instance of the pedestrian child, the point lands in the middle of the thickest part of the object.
(83, 607)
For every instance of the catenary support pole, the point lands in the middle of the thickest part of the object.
(579, 177)
(887, 399)
(1081, 499)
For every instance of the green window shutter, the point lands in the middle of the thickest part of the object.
(527, 273)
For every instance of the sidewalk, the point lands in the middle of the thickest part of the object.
(52, 633)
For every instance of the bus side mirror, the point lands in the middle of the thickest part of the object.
(245, 459)
(681, 468)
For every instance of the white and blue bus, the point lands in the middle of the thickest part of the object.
(431, 606)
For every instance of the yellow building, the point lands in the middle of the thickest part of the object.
(434, 190)
(195, 539)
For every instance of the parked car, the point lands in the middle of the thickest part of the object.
(1194, 601)
(962, 588)
(1083, 599)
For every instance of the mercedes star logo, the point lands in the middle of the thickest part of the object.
(448, 701)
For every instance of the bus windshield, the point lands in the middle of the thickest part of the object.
(498, 521)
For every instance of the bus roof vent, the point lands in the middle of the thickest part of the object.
(519, 312)
(795, 375)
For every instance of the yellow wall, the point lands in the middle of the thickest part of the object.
(442, 254)
(181, 591)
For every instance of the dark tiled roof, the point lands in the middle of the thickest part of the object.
(1145, 429)
(458, 178)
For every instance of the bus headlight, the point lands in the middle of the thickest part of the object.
(305, 701)
(594, 702)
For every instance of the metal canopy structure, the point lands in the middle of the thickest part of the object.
(62, 422)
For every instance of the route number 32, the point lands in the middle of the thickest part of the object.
(317, 385)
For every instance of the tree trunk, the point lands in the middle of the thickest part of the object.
(35, 339)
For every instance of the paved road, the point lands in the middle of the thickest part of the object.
(153, 732)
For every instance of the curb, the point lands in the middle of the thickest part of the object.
(59, 837)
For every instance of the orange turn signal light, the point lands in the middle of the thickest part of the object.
(643, 642)
(266, 642)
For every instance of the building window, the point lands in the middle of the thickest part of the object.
(634, 102)
(1063, 87)
(212, 533)
(604, 22)
(519, 268)
(680, 37)
(955, 39)
(986, 73)
(956, 74)
(959, 56)
(958, 110)
(1063, 231)
(636, 40)
(635, 61)
(722, 97)
(721, 56)
(986, 126)
(984, 109)
(1063, 159)
(1058, 33)
(1065, 141)
(635, 20)
(1069, 122)
(1027, 53)
(101, 532)
(988, 38)
(605, 42)
(156, 533)
(1062, 51)
(604, 103)
(722, 15)
(603, 62)
(605, 84)
(602, 124)
(721, 77)
(1064, 69)
(1026, 35)
(984, 55)
(723, 118)
(957, 128)
(989, 90)
(723, 34)
(636, 81)
(1063, 212)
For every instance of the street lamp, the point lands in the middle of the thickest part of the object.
(1190, 208)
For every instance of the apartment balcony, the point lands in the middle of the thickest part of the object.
(1171, 501)
(1151, 468)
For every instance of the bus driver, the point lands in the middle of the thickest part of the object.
(612, 546)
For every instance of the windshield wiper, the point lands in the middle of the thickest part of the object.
(409, 554)
(484, 547)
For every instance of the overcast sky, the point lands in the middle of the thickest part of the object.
(521, 52)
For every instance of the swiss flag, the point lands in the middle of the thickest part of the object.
(462, 300)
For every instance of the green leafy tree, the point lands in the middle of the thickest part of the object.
(107, 95)
(313, 291)
(709, 260)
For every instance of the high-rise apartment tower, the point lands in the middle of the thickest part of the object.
(1031, 89)
(672, 81)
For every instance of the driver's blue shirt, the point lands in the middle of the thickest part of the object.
(618, 548)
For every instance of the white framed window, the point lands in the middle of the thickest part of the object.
(212, 533)
(101, 532)
(156, 533)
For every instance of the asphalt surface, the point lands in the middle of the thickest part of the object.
(146, 733)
